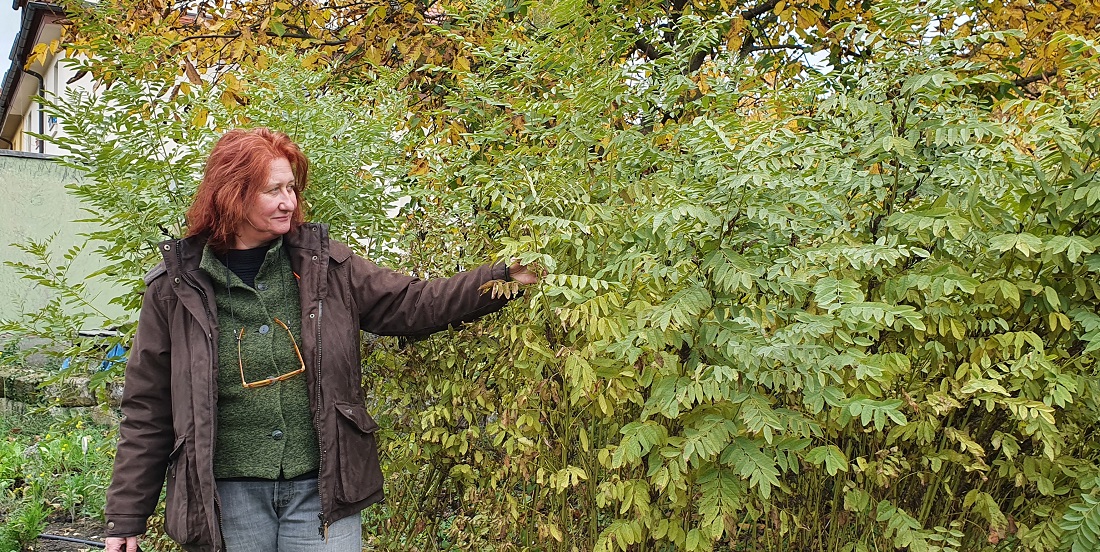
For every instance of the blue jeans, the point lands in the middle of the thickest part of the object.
(281, 516)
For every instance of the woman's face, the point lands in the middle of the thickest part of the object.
(272, 208)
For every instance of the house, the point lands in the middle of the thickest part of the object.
(19, 112)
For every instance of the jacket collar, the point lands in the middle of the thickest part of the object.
(307, 247)
(314, 238)
(311, 237)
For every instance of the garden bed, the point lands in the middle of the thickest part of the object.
(83, 529)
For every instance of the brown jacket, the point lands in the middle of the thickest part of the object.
(170, 398)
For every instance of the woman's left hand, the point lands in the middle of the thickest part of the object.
(522, 274)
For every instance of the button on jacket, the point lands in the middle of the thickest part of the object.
(170, 398)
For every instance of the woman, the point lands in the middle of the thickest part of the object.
(243, 386)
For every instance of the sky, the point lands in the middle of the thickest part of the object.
(9, 27)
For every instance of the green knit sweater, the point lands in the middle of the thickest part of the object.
(264, 432)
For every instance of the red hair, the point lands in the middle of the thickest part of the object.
(237, 169)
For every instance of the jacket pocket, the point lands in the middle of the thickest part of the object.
(183, 516)
(359, 475)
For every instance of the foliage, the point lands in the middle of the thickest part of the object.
(69, 310)
(50, 467)
(802, 322)
(787, 306)
(200, 39)
(1033, 54)
(23, 528)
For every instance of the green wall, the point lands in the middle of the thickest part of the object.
(33, 205)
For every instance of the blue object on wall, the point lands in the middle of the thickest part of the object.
(115, 355)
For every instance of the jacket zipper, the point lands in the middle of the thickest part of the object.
(213, 361)
(323, 528)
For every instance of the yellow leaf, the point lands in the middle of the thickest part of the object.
(199, 117)
(38, 55)
(704, 87)
(419, 168)
(734, 42)
(461, 64)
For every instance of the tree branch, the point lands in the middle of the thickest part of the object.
(697, 60)
(1024, 81)
(307, 36)
(798, 47)
(234, 34)
(645, 47)
(761, 9)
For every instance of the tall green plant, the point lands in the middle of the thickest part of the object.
(849, 314)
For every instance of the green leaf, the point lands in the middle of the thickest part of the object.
(1074, 247)
(831, 292)
(829, 455)
(693, 540)
(753, 464)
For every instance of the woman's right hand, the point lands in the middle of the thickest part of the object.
(122, 544)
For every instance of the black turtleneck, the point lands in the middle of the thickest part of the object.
(245, 263)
